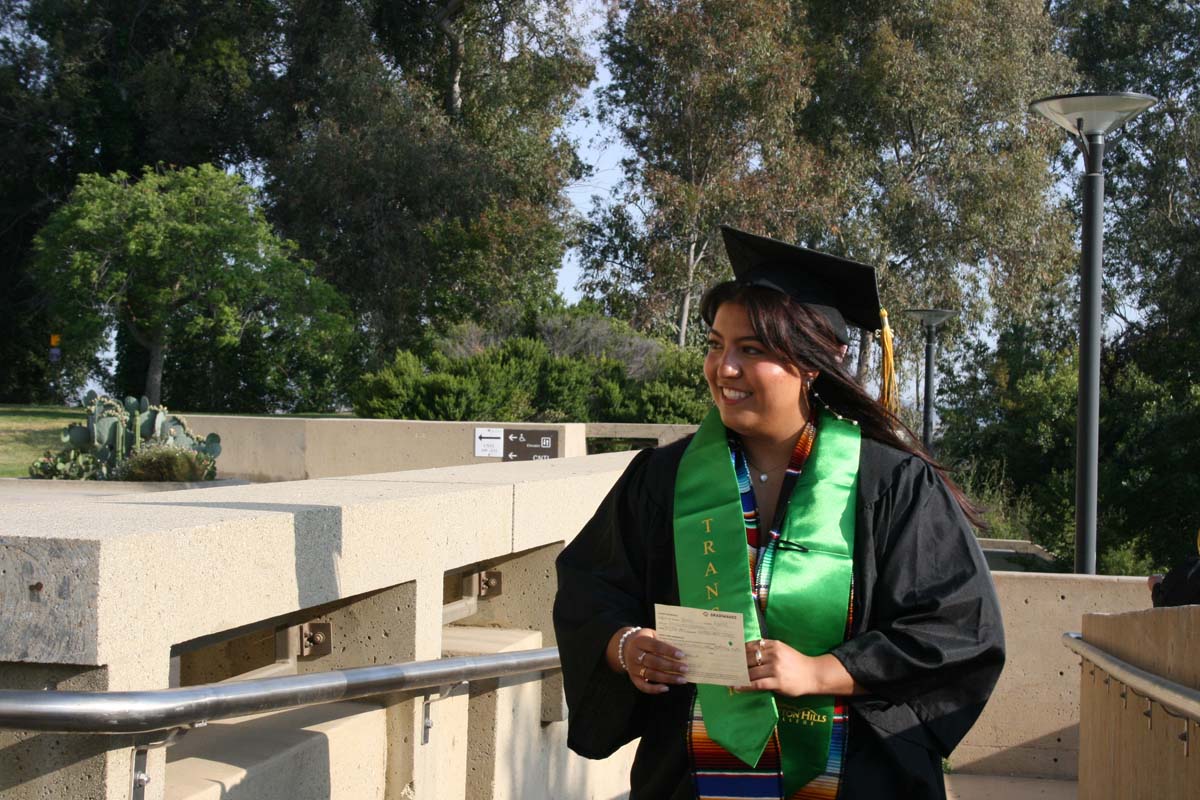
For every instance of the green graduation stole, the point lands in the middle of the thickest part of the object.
(809, 585)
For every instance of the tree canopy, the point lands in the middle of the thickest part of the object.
(1012, 406)
(177, 255)
(414, 151)
(896, 134)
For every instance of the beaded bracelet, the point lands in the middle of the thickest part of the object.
(621, 646)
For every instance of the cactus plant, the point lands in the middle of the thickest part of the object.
(116, 430)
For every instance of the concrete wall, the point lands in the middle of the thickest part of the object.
(1132, 747)
(296, 448)
(1030, 727)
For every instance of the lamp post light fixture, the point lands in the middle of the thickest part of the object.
(930, 318)
(1090, 117)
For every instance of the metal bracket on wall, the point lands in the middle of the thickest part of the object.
(316, 639)
(476, 586)
(443, 693)
(491, 583)
(140, 777)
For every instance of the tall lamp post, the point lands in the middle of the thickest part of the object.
(930, 318)
(1090, 117)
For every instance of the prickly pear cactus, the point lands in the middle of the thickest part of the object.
(114, 432)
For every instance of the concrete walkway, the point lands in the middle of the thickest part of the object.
(999, 787)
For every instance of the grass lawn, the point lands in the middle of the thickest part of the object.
(28, 431)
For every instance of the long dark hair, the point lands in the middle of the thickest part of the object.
(804, 338)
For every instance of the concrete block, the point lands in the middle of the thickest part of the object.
(35, 766)
(551, 499)
(328, 752)
(529, 585)
(514, 755)
(504, 715)
(1164, 641)
(47, 590)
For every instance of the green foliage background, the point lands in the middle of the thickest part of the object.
(548, 379)
(416, 154)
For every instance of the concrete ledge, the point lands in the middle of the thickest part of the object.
(36, 490)
(330, 752)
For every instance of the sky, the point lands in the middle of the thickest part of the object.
(597, 147)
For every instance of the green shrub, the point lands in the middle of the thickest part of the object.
(166, 462)
(525, 380)
(390, 392)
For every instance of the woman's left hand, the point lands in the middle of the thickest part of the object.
(776, 667)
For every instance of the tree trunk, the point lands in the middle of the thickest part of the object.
(154, 373)
(453, 99)
(864, 356)
(684, 311)
(686, 307)
(454, 91)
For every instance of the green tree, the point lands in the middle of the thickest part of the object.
(99, 87)
(179, 255)
(940, 173)
(702, 94)
(893, 133)
(412, 149)
(415, 154)
(1150, 423)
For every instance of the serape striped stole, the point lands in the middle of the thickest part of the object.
(719, 775)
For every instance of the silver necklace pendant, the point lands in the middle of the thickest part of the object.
(762, 477)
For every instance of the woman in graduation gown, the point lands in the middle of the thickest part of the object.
(873, 634)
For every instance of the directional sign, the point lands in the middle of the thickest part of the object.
(489, 442)
(530, 445)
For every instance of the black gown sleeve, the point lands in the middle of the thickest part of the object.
(929, 645)
(603, 579)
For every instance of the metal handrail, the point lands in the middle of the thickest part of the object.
(167, 709)
(1176, 698)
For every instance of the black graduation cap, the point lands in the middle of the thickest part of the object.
(843, 290)
(840, 289)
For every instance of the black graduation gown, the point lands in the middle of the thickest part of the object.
(927, 641)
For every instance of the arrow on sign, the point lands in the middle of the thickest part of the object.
(482, 437)
(512, 437)
(511, 456)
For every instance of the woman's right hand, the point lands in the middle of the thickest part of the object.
(653, 665)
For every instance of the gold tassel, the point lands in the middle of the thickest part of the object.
(889, 394)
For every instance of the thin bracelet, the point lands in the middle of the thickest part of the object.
(621, 646)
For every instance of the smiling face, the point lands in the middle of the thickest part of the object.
(758, 394)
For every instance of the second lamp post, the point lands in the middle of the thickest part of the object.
(930, 318)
